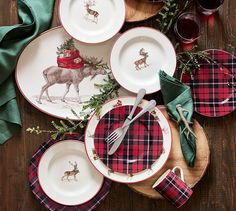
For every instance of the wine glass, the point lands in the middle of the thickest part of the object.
(208, 7)
(187, 28)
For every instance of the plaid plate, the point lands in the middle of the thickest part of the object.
(174, 189)
(213, 87)
(141, 147)
(44, 199)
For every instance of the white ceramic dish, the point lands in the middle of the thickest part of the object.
(92, 21)
(138, 56)
(39, 55)
(66, 175)
(122, 177)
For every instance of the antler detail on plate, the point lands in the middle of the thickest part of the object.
(185, 122)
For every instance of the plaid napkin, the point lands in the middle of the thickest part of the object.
(44, 199)
(214, 85)
(35, 16)
(178, 101)
(141, 147)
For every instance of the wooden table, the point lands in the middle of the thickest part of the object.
(216, 191)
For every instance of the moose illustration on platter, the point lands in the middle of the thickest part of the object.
(71, 70)
(93, 13)
(141, 63)
(71, 173)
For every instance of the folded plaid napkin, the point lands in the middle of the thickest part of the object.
(35, 16)
(178, 101)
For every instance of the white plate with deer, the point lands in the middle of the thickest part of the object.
(137, 57)
(57, 74)
(66, 174)
(92, 21)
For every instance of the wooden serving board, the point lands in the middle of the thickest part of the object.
(192, 175)
(137, 10)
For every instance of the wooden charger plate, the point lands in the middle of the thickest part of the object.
(191, 175)
(137, 10)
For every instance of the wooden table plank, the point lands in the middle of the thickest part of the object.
(216, 191)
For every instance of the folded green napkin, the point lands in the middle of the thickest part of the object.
(178, 101)
(35, 16)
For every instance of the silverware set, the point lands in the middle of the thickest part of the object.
(116, 137)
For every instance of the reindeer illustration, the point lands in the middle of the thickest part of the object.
(58, 75)
(142, 61)
(68, 174)
(91, 12)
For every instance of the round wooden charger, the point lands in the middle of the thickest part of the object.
(137, 10)
(191, 175)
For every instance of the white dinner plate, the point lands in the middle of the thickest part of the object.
(66, 175)
(138, 56)
(40, 55)
(92, 21)
(129, 157)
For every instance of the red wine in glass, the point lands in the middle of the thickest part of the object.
(208, 7)
(187, 28)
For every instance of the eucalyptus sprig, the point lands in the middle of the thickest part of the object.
(170, 12)
(108, 90)
(188, 61)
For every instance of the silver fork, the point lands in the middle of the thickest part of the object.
(119, 131)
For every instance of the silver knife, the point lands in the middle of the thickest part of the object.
(138, 99)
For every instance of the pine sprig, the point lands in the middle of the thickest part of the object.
(68, 44)
(188, 61)
(108, 90)
(169, 13)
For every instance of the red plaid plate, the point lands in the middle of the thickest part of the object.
(144, 149)
(44, 199)
(214, 85)
(141, 146)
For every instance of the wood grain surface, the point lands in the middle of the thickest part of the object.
(191, 175)
(137, 10)
(215, 191)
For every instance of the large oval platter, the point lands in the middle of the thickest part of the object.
(37, 72)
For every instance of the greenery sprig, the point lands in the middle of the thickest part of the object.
(61, 128)
(68, 44)
(188, 61)
(170, 12)
(108, 90)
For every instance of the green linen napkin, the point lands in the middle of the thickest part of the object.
(35, 16)
(178, 101)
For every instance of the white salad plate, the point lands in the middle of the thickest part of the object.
(66, 174)
(137, 57)
(38, 66)
(92, 21)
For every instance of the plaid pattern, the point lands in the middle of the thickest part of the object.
(141, 147)
(44, 199)
(174, 189)
(212, 94)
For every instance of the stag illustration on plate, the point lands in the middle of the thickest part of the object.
(91, 14)
(141, 63)
(71, 70)
(71, 173)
